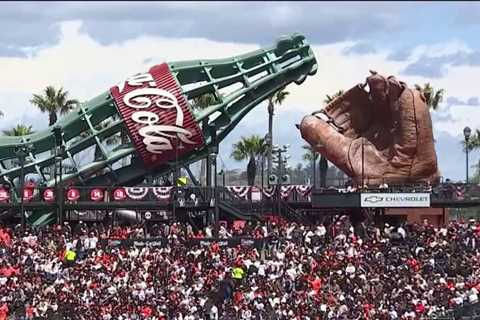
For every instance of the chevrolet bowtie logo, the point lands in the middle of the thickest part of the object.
(373, 199)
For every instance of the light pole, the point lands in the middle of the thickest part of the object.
(222, 173)
(280, 161)
(58, 134)
(21, 157)
(363, 162)
(175, 177)
(314, 168)
(213, 159)
(263, 171)
(466, 133)
(21, 153)
(268, 141)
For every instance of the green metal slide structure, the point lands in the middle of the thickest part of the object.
(238, 83)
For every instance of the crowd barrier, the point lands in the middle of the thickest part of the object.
(204, 242)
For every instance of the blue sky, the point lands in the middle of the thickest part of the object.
(87, 47)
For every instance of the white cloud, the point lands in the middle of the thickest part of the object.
(439, 49)
(462, 116)
(86, 68)
(335, 72)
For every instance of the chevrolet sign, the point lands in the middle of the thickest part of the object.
(395, 200)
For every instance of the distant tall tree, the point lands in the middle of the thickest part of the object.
(19, 130)
(54, 103)
(330, 98)
(276, 98)
(432, 97)
(474, 144)
(249, 148)
(312, 156)
(201, 103)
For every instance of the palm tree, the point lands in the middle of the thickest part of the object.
(276, 98)
(432, 97)
(312, 156)
(53, 102)
(200, 103)
(330, 98)
(19, 130)
(249, 148)
(473, 144)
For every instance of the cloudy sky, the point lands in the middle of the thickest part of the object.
(88, 47)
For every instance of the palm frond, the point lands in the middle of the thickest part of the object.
(330, 98)
(249, 147)
(53, 101)
(433, 97)
(18, 130)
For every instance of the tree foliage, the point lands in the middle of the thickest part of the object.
(433, 97)
(53, 102)
(18, 130)
(249, 148)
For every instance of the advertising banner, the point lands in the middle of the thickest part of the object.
(162, 242)
(395, 200)
(157, 115)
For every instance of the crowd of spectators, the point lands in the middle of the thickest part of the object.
(312, 271)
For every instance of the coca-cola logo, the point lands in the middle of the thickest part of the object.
(156, 114)
(156, 136)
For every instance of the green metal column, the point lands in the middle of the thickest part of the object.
(238, 83)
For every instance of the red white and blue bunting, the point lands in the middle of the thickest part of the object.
(136, 193)
(269, 192)
(304, 190)
(239, 191)
(285, 191)
(162, 193)
(165, 193)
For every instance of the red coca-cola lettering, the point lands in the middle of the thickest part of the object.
(73, 194)
(49, 195)
(4, 195)
(119, 194)
(96, 194)
(158, 118)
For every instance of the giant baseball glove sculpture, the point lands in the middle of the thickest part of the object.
(388, 127)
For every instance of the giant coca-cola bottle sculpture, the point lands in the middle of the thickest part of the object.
(153, 113)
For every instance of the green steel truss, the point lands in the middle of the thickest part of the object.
(239, 84)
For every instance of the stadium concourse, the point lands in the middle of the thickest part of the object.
(276, 271)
